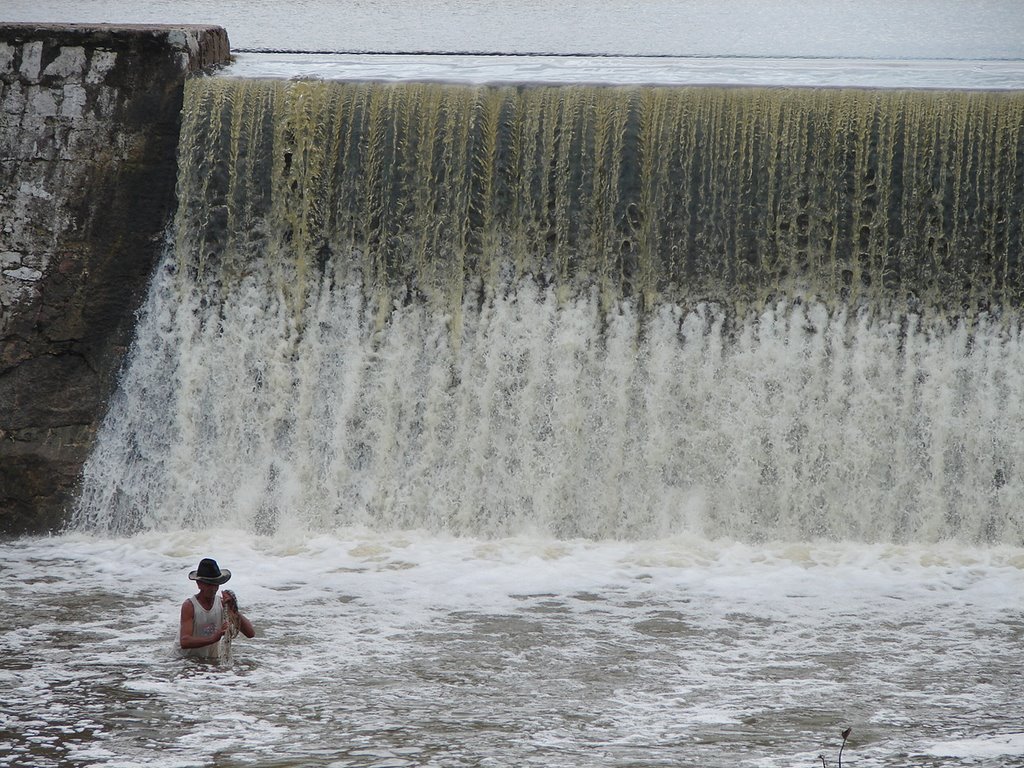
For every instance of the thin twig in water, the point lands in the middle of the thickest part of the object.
(845, 734)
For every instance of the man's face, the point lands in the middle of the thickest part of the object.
(206, 589)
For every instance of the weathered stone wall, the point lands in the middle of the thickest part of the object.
(89, 120)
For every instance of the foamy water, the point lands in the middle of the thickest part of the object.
(528, 414)
(408, 649)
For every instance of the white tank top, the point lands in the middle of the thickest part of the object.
(205, 623)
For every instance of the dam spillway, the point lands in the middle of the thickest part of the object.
(588, 311)
(679, 194)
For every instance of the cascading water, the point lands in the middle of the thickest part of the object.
(594, 312)
(663, 194)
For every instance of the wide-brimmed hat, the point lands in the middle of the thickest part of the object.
(210, 572)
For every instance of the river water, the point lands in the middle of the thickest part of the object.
(402, 649)
(869, 29)
(654, 591)
(868, 43)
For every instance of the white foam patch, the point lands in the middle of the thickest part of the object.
(996, 745)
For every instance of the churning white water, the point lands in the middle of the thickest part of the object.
(408, 649)
(525, 414)
(533, 535)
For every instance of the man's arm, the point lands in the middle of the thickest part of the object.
(246, 626)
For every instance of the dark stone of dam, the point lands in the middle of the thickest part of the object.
(88, 137)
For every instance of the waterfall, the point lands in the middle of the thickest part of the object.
(597, 312)
(677, 194)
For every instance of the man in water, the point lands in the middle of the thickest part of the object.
(205, 619)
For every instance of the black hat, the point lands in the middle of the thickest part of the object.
(210, 572)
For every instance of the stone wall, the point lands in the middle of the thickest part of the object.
(89, 120)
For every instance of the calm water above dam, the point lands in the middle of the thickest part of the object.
(928, 44)
(868, 29)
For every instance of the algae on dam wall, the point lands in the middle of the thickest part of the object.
(89, 122)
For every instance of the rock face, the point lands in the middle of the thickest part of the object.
(89, 121)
